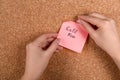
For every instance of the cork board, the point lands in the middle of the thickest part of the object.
(21, 21)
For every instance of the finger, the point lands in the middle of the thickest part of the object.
(50, 39)
(46, 42)
(44, 38)
(52, 48)
(98, 15)
(92, 20)
(87, 26)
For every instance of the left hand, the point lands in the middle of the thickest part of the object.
(38, 54)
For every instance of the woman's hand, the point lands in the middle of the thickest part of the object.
(105, 36)
(38, 54)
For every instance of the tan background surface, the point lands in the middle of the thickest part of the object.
(21, 21)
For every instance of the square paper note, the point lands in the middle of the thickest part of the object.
(72, 35)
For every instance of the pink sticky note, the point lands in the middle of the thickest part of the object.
(73, 36)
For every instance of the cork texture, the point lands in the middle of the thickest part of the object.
(21, 21)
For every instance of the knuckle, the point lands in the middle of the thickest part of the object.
(108, 21)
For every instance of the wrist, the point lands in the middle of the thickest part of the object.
(115, 52)
(116, 58)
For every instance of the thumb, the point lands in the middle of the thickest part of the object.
(52, 48)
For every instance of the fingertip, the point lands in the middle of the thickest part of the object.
(82, 22)
(81, 17)
(79, 21)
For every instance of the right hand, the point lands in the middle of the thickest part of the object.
(106, 36)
